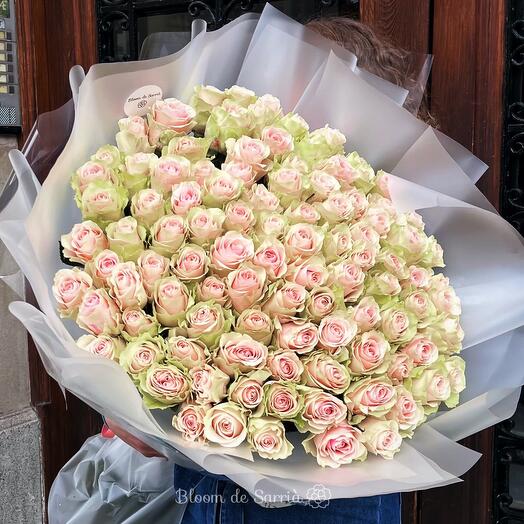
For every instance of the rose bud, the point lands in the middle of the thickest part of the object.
(84, 242)
(69, 288)
(244, 172)
(360, 204)
(147, 206)
(225, 424)
(206, 321)
(190, 263)
(408, 241)
(432, 387)
(310, 273)
(339, 167)
(185, 196)
(125, 286)
(295, 125)
(419, 276)
(400, 368)
(101, 345)
(136, 323)
(261, 199)
(169, 171)
(285, 365)
(209, 384)
(337, 243)
(189, 147)
(383, 284)
(321, 143)
(267, 436)
(302, 213)
(137, 171)
(271, 256)
(205, 224)
(368, 354)
(445, 300)
(321, 410)
(152, 267)
(297, 335)
(241, 95)
(420, 305)
(279, 140)
(109, 155)
(170, 301)
(337, 208)
(322, 184)
(265, 110)
(247, 389)
(370, 396)
(99, 314)
(229, 251)
(88, 173)
(321, 302)
(203, 100)
(381, 437)
(285, 299)
(337, 445)
(168, 233)
(221, 188)
(249, 151)
(103, 202)
(212, 288)
(126, 238)
(379, 219)
(288, 184)
(239, 217)
(256, 324)
(163, 386)
(323, 371)
(282, 400)
(202, 170)
(398, 325)
(448, 332)
(455, 366)
(190, 421)
(230, 120)
(303, 240)
(366, 314)
(189, 353)
(421, 351)
(246, 286)
(272, 225)
(335, 332)
(168, 118)
(238, 353)
(132, 137)
(350, 277)
(407, 413)
(394, 264)
(140, 353)
(101, 267)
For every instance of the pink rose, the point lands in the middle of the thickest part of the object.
(407, 413)
(368, 353)
(147, 206)
(250, 151)
(337, 207)
(170, 301)
(278, 140)
(320, 303)
(246, 286)
(256, 324)
(247, 392)
(337, 445)
(126, 238)
(400, 368)
(69, 288)
(365, 258)
(310, 273)
(270, 225)
(379, 219)
(225, 424)
(446, 301)
(168, 233)
(242, 171)
(125, 286)
(360, 204)
(366, 314)
(190, 421)
(382, 184)
(152, 267)
(209, 384)
(239, 217)
(99, 314)
(338, 242)
(170, 115)
(136, 322)
(84, 242)
(381, 437)
(220, 189)
(285, 365)
(185, 196)
(239, 353)
(370, 396)
(101, 345)
(323, 184)
(282, 400)
(207, 321)
(289, 183)
(271, 256)
(297, 335)
(202, 170)
(212, 288)
(164, 385)
(336, 331)
(302, 213)
(189, 147)
(263, 200)
(419, 276)
(324, 372)
(169, 171)
(350, 276)
(101, 267)
(339, 167)
(286, 299)
(421, 351)
(141, 353)
(189, 353)
(322, 410)
(205, 224)
(91, 172)
(229, 251)
(398, 325)
(303, 240)
(190, 263)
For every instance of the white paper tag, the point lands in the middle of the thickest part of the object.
(139, 101)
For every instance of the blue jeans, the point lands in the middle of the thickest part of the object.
(212, 499)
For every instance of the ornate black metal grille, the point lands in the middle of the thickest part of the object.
(124, 24)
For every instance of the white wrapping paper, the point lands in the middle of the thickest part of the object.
(432, 174)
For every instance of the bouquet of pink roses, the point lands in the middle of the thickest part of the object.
(275, 284)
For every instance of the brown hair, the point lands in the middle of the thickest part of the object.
(376, 55)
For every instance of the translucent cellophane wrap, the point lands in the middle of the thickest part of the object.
(430, 173)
